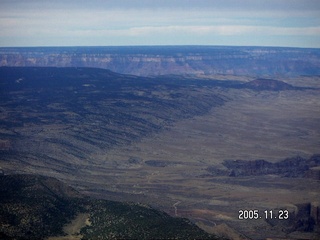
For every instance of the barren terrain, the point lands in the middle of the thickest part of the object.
(264, 125)
(155, 141)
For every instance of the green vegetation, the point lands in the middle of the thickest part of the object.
(114, 220)
(36, 207)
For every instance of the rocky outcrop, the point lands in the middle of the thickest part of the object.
(307, 217)
(315, 212)
(146, 61)
(304, 219)
(290, 167)
(268, 84)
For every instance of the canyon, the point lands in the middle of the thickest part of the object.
(164, 60)
(196, 132)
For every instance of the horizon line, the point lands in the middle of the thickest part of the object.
(158, 45)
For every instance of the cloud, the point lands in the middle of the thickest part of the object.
(201, 20)
(223, 30)
(251, 5)
(232, 30)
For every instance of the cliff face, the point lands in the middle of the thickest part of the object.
(146, 61)
(290, 167)
(307, 217)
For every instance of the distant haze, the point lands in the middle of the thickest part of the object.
(289, 23)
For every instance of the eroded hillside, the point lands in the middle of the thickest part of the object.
(153, 140)
(61, 119)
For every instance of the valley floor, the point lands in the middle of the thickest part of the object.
(266, 125)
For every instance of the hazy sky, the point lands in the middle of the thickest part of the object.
(160, 22)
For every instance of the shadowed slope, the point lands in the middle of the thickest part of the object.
(35, 207)
(62, 118)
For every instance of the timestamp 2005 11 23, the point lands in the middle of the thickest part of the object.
(266, 214)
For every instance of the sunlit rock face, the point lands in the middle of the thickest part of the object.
(146, 61)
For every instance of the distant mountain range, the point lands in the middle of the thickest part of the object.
(163, 60)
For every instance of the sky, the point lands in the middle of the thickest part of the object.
(286, 23)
